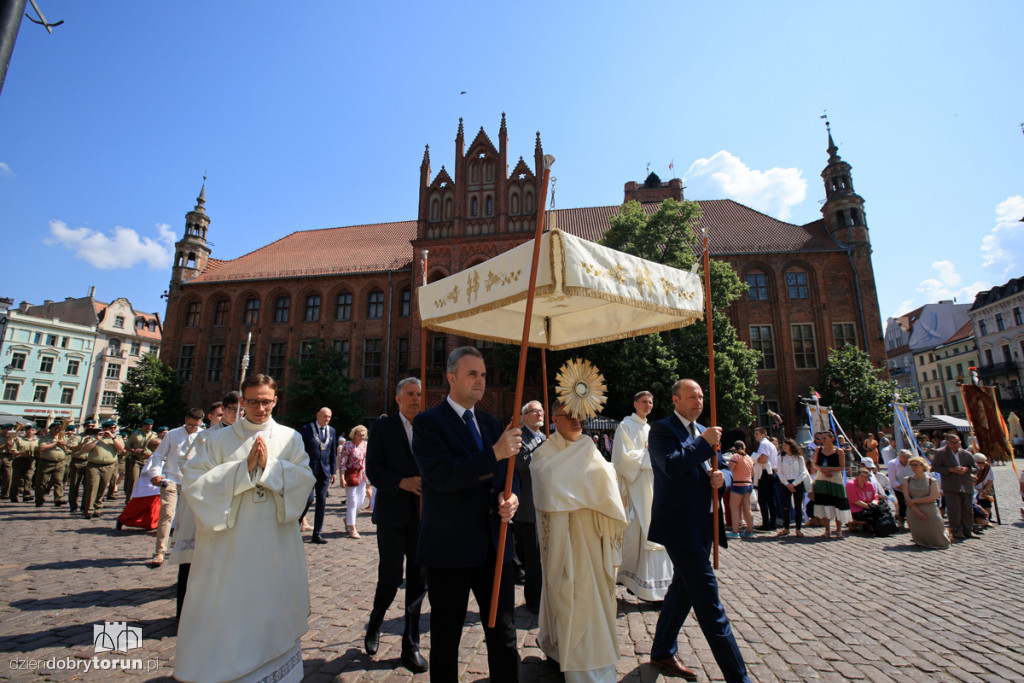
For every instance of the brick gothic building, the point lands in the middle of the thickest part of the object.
(811, 286)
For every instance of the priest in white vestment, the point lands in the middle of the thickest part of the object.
(646, 569)
(247, 604)
(580, 519)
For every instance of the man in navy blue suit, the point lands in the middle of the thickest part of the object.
(681, 520)
(396, 512)
(461, 453)
(321, 444)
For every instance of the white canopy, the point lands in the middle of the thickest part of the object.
(586, 294)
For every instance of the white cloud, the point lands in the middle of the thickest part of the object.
(774, 192)
(905, 307)
(122, 248)
(5, 170)
(948, 285)
(1000, 246)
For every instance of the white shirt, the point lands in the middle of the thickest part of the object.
(766, 447)
(889, 454)
(460, 411)
(166, 459)
(408, 428)
(897, 472)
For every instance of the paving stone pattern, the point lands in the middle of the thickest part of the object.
(862, 609)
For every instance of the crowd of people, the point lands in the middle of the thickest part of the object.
(580, 519)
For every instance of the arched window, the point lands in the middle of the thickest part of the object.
(312, 308)
(282, 309)
(489, 208)
(343, 307)
(435, 209)
(220, 312)
(375, 305)
(796, 284)
(192, 314)
(252, 312)
(472, 208)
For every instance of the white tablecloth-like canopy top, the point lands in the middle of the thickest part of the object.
(586, 294)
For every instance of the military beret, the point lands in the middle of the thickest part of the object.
(147, 421)
(90, 421)
(108, 423)
(163, 429)
(7, 426)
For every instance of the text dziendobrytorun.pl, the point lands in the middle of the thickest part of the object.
(85, 665)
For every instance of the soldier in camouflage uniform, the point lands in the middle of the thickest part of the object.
(23, 466)
(52, 451)
(119, 475)
(102, 453)
(140, 446)
(79, 460)
(6, 460)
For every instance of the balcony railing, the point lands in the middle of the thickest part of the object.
(997, 369)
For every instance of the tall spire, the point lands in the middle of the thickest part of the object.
(832, 150)
(201, 199)
(426, 158)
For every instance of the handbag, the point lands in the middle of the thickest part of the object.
(353, 478)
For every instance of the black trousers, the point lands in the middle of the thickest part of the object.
(766, 499)
(396, 545)
(449, 600)
(318, 495)
(529, 554)
(792, 502)
(901, 503)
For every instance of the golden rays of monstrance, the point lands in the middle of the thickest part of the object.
(581, 388)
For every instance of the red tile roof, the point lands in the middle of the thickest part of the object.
(963, 333)
(329, 251)
(732, 229)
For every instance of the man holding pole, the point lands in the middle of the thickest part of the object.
(681, 520)
(460, 451)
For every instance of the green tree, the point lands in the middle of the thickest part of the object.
(317, 382)
(151, 389)
(669, 236)
(855, 390)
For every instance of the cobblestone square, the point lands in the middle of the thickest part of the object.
(811, 609)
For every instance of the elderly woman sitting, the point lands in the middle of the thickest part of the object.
(921, 490)
(862, 494)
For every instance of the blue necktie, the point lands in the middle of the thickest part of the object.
(468, 417)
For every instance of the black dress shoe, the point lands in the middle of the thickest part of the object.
(320, 540)
(371, 643)
(414, 662)
(672, 667)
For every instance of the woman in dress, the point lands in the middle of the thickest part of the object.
(830, 501)
(353, 463)
(920, 492)
(984, 480)
(792, 475)
(742, 467)
(871, 449)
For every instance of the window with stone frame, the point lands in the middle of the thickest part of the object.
(39, 396)
(73, 365)
(18, 360)
(405, 303)
(982, 327)
(215, 363)
(46, 363)
(805, 355)
(439, 351)
(220, 312)
(113, 371)
(402, 355)
(1000, 324)
(1018, 318)
(119, 321)
(276, 359)
(796, 284)
(343, 346)
(843, 334)
(343, 307)
(11, 391)
(251, 315)
(312, 314)
(109, 398)
(306, 350)
(67, 395)
(192, 313)
(761, 340)
(186, 362)
(375, 305)
(757, 286)
(136, 348)
(372, 356)
(282, 307)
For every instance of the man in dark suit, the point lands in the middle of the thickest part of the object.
(531, 418)
(396, 512)
(461, 452)
(955, 467)
(681, 521)
(321, 444)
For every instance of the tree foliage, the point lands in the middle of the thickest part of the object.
(317, 382)
(151, 390)
(855, 390)
(655, 361)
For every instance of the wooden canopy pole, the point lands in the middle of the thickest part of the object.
(521, 379)
(423, 334)
(711, 391)
(544, 379)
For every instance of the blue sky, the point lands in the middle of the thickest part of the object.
(315, 114)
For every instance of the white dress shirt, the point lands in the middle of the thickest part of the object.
(166, 459)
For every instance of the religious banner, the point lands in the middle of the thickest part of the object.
(820, 418)
(902, 431)
(983, 412)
